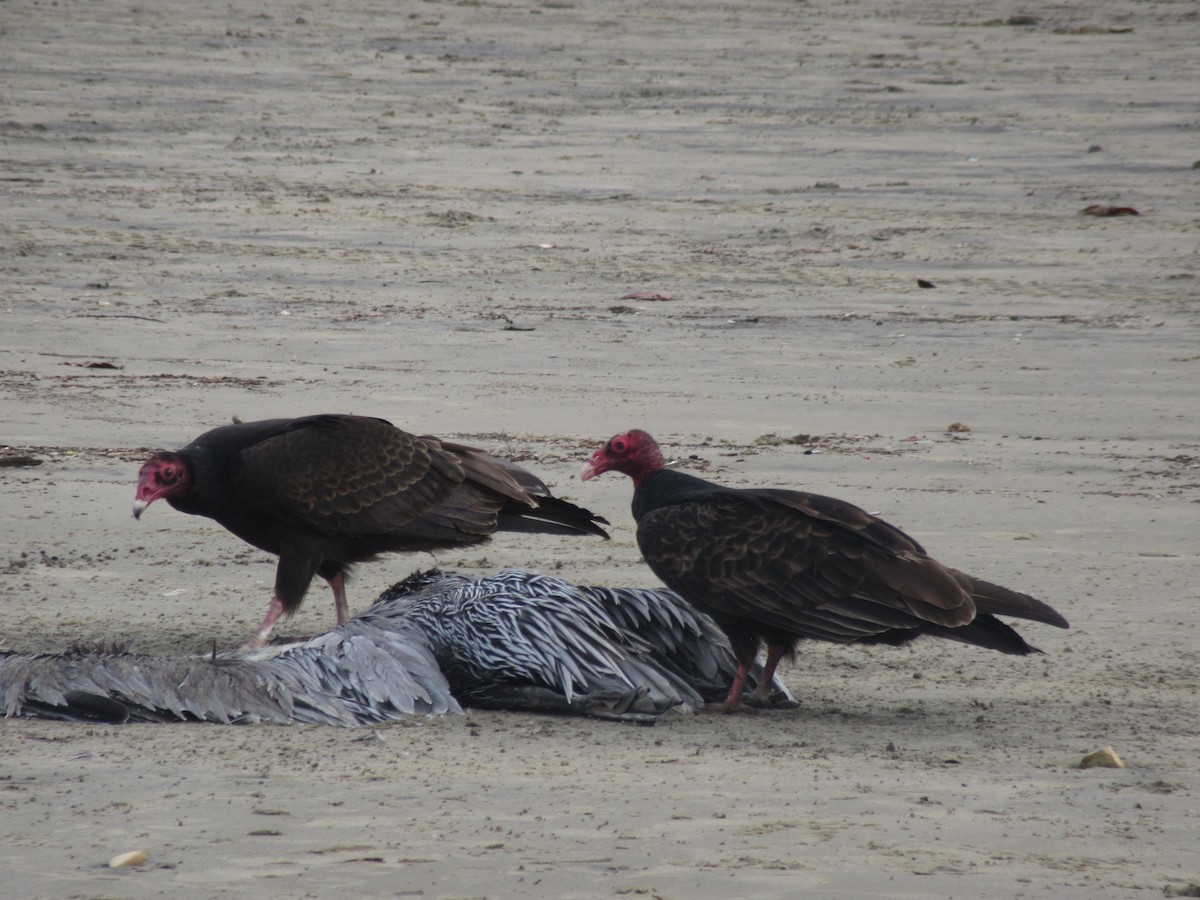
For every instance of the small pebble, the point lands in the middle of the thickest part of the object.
(1104, 758)
(125, 860)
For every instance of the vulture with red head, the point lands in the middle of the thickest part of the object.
(778, 566)
(324, 492)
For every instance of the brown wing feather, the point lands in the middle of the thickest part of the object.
(496, 475)
(798, 562)
(997, 600)
(348, 476)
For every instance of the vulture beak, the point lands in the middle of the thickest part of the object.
(147, 493)
(151, 486)
(591, 468)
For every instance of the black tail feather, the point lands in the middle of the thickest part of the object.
(983, 631)
(552, 516)
(988, 632)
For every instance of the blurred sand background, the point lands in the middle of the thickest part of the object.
(530, 225)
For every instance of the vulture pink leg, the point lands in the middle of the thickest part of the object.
(734, 700)
(274, 611)
(338, 584)
(762, 694)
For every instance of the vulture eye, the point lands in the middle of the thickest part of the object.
(618, 445)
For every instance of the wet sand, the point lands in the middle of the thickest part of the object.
(529, 226)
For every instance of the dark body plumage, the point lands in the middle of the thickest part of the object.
(430, 645)
(778, 566)
(323, 492)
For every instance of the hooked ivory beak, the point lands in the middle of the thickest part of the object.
(139, 507)
(589, 470)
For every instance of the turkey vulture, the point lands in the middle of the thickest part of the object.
(514, 640)
(323, 492)
(779, 566)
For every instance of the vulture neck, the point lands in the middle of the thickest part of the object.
(668, 487)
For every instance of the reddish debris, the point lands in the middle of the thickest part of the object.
(1098, 209)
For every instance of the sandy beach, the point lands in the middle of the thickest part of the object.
(528, 226)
